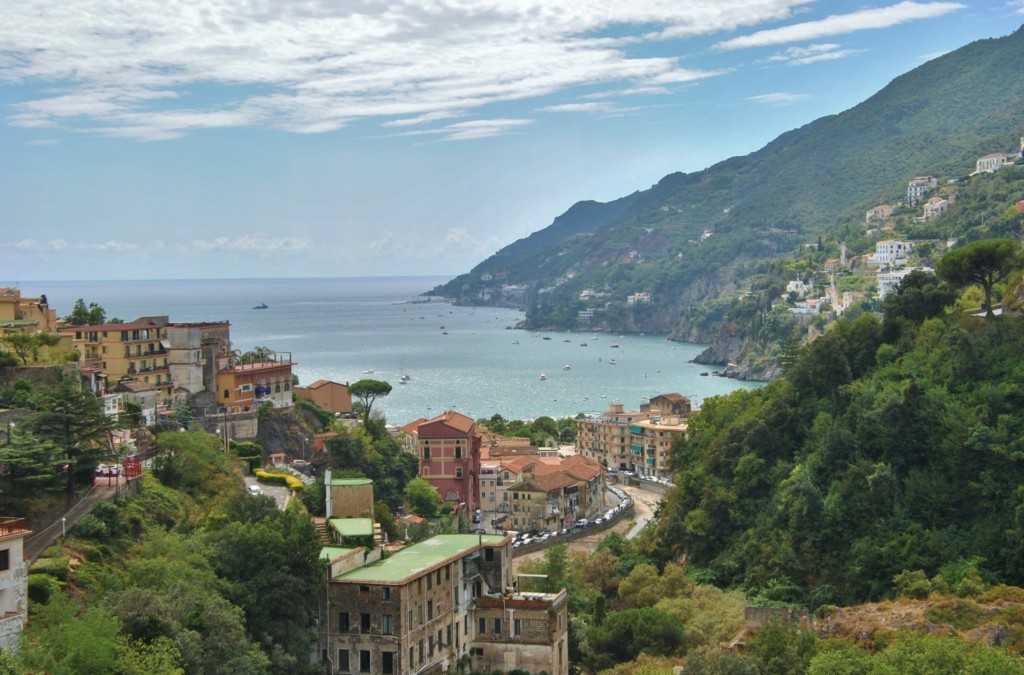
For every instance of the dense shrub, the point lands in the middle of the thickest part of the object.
(41, 587)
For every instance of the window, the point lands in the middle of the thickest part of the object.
(497, 626)
(385, 593)
(430, 582)
(489, 554)
(364, 660)
(458, 472)
(430, 610)
(458, 450)
(421, 651)
(482, 628)
(343, 622)
(364, 623)
(419, 611)
(5, 559)
(430, 646)
(386, 626)
(409, 622)
(227, 394)
(387, 662)
(364, 590)
(438, 577)
(412, 657)
(440, 644)
(426, 452)
(343, 660)
(448, 573)
(518, 627)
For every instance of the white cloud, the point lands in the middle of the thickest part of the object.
(254, 243)
(840, 24)
(778, 97)
(65, 245)
(44, 141)
(159, 69)
(595, 106)
(802, 56)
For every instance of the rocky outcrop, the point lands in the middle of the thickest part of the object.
(285, 430)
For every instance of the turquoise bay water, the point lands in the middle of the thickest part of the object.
(460, 358)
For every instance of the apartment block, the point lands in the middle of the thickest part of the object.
(651, 442)
(607, 438)
(419, 610)
(136, 351)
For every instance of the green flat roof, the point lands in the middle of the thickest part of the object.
(353, 527)
(418, 558)
(329, 553)
(351, 481)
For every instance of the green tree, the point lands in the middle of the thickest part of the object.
(625, 635)
(66, 639)
(985, 262)
(74, 421)
(31, 467)
(919, 296)
(423, 497)
(270, 559)
(80, 315)
(159, 657)
(783, 649)
(368, 391)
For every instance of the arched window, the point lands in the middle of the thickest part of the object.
(227, 393)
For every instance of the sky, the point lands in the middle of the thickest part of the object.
(171, 139)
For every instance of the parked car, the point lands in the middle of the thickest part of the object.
(255, 490)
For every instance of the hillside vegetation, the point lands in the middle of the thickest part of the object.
(889, 445)
(192, 575)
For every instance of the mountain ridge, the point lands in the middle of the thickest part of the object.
(694, 237)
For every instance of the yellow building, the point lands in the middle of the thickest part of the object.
(136, 351)
(25, 314)
(651, 441)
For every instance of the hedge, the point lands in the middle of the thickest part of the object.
(293, 483)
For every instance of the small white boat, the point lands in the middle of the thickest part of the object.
(543, 376)
(613, 362)
(567, 367)
(371, 371)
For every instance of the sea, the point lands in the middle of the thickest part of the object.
(468, 359)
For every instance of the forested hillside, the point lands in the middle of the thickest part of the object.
(694, 237)
(889, 445)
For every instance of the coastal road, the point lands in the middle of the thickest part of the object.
(644, 504)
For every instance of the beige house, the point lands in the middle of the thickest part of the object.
(992, 162)
(32, 315)
(935, 207)
(882, 212)
(327, 395)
